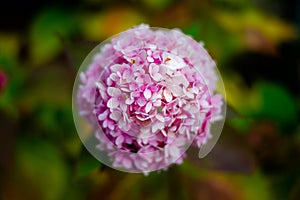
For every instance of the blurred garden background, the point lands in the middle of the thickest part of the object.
(257, 48)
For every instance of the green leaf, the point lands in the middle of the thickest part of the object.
(87, 163)
(47, 33)
(277, 104)
(41, 168)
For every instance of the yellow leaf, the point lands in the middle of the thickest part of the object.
(99, 26)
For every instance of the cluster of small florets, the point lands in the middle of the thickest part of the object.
(149, 94)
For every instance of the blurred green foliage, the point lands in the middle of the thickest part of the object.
(256, 46)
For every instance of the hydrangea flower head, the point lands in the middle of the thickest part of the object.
(149, 94)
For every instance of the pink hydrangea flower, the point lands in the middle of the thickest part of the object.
(149, 94)
(3, 81)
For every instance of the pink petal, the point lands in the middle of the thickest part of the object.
(113, 103)
(141, 102)
(110, 124)
(103, 115)
(114, 92)
(127, 163)
(139, 80)
(168, 96)
(157, 103)
(148, 107)
(133, 86)
(147, 94)
(119, 140)
(123, 106)
(127, 74)
(115, 115)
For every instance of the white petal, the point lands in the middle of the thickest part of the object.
(182, 117)
(180, 79)
(129, 101)
(150, 59)
(147, 93)
(157, 126)
(148, 107)
(160, 118)
(172, 61)
(116, 67)
(168, 95)
(153, 68)
(157, 77)
(100, 85)
(174, 151)
(189, 122)
(149, 52)
(113, 103)
(142, 118)
(188, 93)
(157, 103)
(164, 132)
(125, 89)
(176, 90)
(115, 115)
(205, 104)
(114, 92)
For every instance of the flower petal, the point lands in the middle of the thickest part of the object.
(115, 115)
(153, 68)
(103, 115)
(114, 92)
(160, 117)
(119, 140)
(157, 126)
(141, 102)
(127, 163)
(147, 93)
(100, 86)
(173, 62)
(148, 107)
(113, 103)
(168, 95)
(150, 59)
(116, 67)
(129, 101)
(174, 151)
